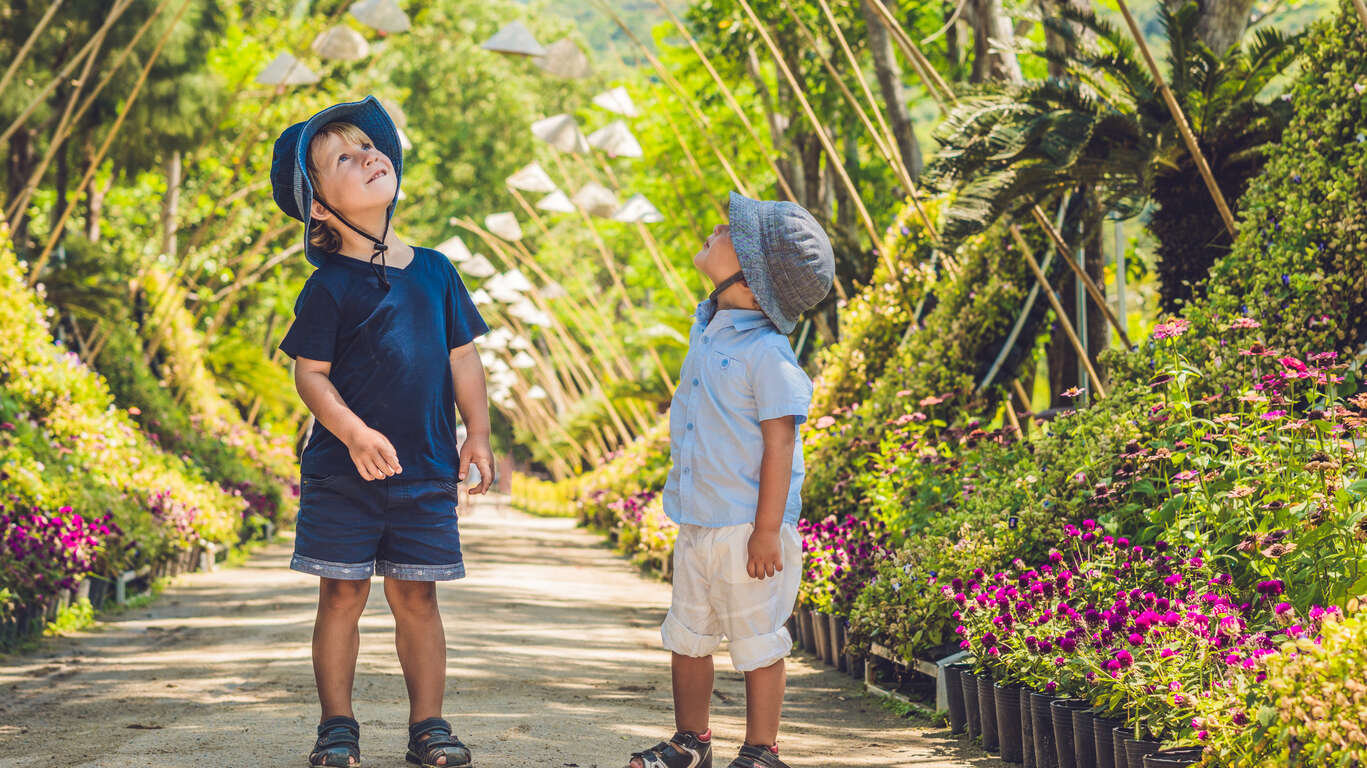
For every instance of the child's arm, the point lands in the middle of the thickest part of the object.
(467, 374)
(373, 454)
(775, 472)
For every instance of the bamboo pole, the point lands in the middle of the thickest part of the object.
(913, 53)
(698, 116)
(611, 264)
(64, 127)
(522, 201)
(853, 61)
(28, 43)
(1061, 315)
(41, 95)
(729, 97)
(1361, 8)
(1180, 118)
(836, 161)
(672, 277)
(17, 205)
(1026, 402)
(98, 158)
(605, 335)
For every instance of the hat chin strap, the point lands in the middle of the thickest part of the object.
(723, 285)
(378, 243)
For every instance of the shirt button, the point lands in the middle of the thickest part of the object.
(690, 425)
(724, 363)
(705, 340)
(686, 470)
(695, 382)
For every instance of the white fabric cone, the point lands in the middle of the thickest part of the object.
(383, 15)
(617, 101)
(478, 266)
(403, 139)
(455, 249)
(616, 139)
(638, 208)
(596, 199)
(564, 58)
(522, 361)
(285, 69)
(341, 43)
(561, 132)
(527, 312)
(517, 281)
(504, 225)
(532, 178)
(481, 297)
(556, 202)
(554, 291)
(514, 38)
(536, 392)
(519, 342)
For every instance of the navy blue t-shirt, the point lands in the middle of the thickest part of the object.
(390, 355)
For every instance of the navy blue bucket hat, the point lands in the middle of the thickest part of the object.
(290, 185)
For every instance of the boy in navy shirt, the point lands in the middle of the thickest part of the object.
(383, 342)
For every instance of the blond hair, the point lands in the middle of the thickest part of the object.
(322, 234)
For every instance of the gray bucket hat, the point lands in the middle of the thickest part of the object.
(785, 255)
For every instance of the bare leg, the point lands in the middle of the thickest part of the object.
(336, 642)
(692, 694)
(421, 643)
(763, 703)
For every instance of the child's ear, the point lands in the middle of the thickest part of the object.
(318, 212)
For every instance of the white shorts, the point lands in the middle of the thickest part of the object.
(715, 599)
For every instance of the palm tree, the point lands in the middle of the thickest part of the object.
(1103, 127)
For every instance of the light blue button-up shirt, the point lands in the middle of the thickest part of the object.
(739, 371)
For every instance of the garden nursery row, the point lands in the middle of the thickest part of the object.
(1165, 571)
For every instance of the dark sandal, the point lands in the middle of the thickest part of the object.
(752, 756)
(338, 743)
(685, 750)
(431, 739)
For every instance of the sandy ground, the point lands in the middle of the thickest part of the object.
(554, 661)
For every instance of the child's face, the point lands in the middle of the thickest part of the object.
(717, 259)
(353, 177)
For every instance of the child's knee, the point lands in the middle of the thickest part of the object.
(411, 597)
(340, 595)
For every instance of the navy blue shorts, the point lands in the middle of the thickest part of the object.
(350, 528)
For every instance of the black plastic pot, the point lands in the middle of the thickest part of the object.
(1063, 730)
(821, 628)
(1084, 743)
(1173, 758)
(1118, 736)
(987, 705)
(955, 693)
(1103, 738)
(1008, 700)
(808, 633)
(1027, 730)
(1042, 729)
(968, 682)
(838, 642)
(1136, 749)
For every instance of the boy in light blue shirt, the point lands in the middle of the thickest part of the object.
(735, 481)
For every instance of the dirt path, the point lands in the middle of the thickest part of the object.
(554, 661)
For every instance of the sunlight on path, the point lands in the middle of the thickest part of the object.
(554, 661)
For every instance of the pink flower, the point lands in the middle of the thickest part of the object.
(1273, 415)
(824, 421)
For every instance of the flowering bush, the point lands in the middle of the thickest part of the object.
(1310, 711)
(838, 559)
(1145, 634)
(41, 553)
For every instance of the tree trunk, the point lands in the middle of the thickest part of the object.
(778, 124)
(994, 55)
(170, 205)
(18, 166)
(1056, 43)
(94, 204)
(953, 47)
(890, 83)
(1221, 23)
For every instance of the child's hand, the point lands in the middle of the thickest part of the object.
(476, 451)
(373, 454)
(766, 554)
